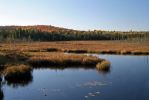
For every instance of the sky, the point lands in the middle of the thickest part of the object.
(120, 15)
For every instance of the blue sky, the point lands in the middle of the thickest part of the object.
(123, 15)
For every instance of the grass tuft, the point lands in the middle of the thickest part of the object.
(91, 61)
(104, 65)
(17, 72)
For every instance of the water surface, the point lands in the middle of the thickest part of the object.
(127, 80)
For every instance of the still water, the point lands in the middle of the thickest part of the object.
(128, 79)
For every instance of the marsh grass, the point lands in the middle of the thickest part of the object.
(125, 52)
(33, 50)
(3, 61)
(52, 50)
(104, 65)
(13, 72)
(112, 52)
(102, 47)
(139, 53)
(76, 51)
(109, 52)
(61, 59)
(91, 61)
(16, 56)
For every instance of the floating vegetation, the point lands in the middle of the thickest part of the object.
(44, 91)
(86, 96)
(92, 94)
(94, 84)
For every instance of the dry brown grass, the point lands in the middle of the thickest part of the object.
(104, 65)
(107, 47)
(17, 72)
(76, 51)
(51, 53)
(61, 59)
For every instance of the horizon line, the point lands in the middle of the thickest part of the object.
(130, 30)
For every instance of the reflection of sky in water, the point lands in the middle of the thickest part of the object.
(127, 80)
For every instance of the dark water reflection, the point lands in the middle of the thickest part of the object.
(104, 72)
(126, 80)
(15, 83)
(1, 94)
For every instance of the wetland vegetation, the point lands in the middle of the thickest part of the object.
(26, 49)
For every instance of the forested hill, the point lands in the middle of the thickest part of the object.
(51, 33)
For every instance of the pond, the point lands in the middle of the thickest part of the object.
(127, 80)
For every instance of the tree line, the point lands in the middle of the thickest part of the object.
(50, 33)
